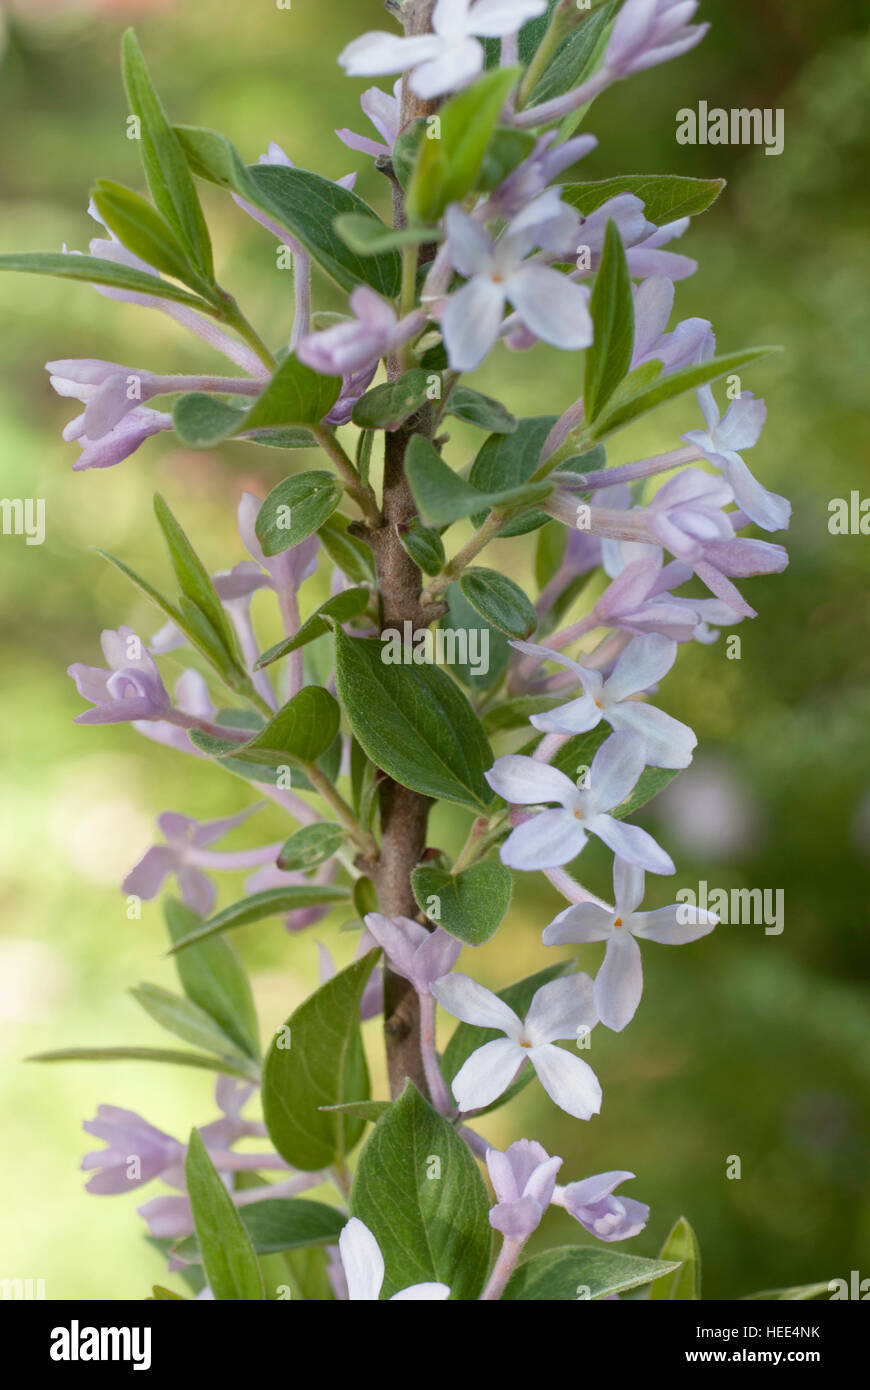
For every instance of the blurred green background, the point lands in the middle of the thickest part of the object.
(745, 1044)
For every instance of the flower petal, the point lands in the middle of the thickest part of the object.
(568, 1080)
(619, 982)
(632, 843)
(582, 922)
(525, 781)
(666, 741)
(487, 1073)
(474, 1003)
(362, 1260)
(615, 770)
(644, 662)
(666, 924)
(552, 306)
(564, 1008)
(471, 322)
(546, 841)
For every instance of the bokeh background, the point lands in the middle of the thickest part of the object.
(747, 1044)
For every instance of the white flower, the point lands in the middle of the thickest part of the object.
(547, 304)
(552, 838)
(364, 1268)
(667, 742)
(448, 58)
(561, 1009)
(619, 982)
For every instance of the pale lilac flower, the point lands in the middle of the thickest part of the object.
(561, 1009)
(185, 855)
(551, 838)
(364, 1269)
(414, 952)
(523, 184)
(384, 112)
(619, 982)
(524, 1179)
(135, 1151)
(592, 1203)
(448, 58)
(358, 343)
(647, 32)
(547, 303)
(107, 444)
(647, 258)
(638, 601)
(720, 443)
(653, 302)
(626, 210)
(643, 663)
(130, 689)
(190, 697)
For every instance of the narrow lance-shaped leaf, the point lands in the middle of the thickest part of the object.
(612, 309)
(193, 578)
(202, 1061)
(580, 1272)
(187, 1021)
(231, 1267)
(95, 270)
(140, 227)
(684, 1284)
(163, 159)
(271, 902)
(213, 977)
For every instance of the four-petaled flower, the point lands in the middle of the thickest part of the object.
(547, 304)
(186, 856)
(561, 1009)
(720, 442)
(552, 838)
(364, 1269)
(414, 952)
(667, 742)
(619, 982)
(448, 58)
(130, 689)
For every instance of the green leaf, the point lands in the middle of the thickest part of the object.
(296, 395)
(625, 410)
(353, 557)
(471, 904)
(144, 587)
(612, 309)
(386, 407)
(508, 461)
(213, 977)
(467, 1038)
(419, 1191)
(143, 231)
(187, 1021)
(271, 902)
(666, 197)
(280, 1223)
(163, 159)
(295, 508)
(202, 421)
(367, 237)
(549, 552)
(309, 206)
(193, 578)
(306, 204)
(578, 753)
(574, 1272)
(406, 149)
(575, 58)
(483, 411)
(685, 1282)
(311, 845)
(340, 608)
(231, 1267)
(413, 722)
(159, 1294)
(424, 545)
(145, 1054)
(317, 1059)
(500, 601)
(444, 497)
(97, 271)
(447, 167)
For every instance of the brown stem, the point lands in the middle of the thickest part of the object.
(403, 813)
